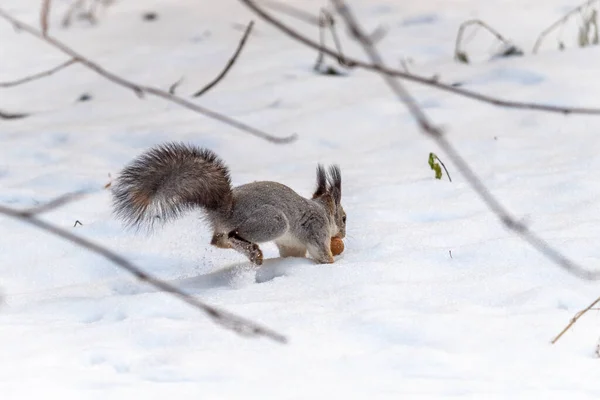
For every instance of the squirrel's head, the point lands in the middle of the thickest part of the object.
(329, 192)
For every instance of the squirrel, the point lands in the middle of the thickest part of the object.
(170, 179)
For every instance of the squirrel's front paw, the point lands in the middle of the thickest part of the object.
(326, 260)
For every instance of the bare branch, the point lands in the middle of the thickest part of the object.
(460, 55)
(79, 10)
(229, 64)
(578, 315)
(174, 86)
(323, 21)
(415, 78)
(425, 124)
(44, 14)
(230, 321)
(69, 14)
(293, 12)
(560, 21)
(9, 115)
(479, 22)
(38, 75)
(328, 18)
(141, 90)
(326, 21)
(438, 136)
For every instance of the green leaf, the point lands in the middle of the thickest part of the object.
(435, 166)
(438, 171)
(431, 160)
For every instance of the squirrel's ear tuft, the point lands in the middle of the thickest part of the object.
(321, 182)
(335, 183)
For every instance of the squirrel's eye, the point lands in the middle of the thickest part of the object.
(344, 219)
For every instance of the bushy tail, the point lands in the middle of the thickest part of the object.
(168, 180)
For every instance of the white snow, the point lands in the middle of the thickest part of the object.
(395, 317)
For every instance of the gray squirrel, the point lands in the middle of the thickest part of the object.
(170, 179)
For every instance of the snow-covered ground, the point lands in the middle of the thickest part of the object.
(396, 316)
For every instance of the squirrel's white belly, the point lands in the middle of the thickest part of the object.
(288, 240)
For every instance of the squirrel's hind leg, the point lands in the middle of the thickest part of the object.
(264, 224)
(239, 244)
(249, 249)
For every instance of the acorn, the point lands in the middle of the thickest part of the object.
(337, 246)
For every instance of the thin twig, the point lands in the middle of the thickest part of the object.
(462, 56)
(578, 315)
(293, 12)
(92, 10)
(415, 78)
(323, 21)
(237, 324)
(424, 123)
(66, 21)
(326, 20)
(38, 75)
(336, 40)
(9, 115)
(174, 86)
(435, 133)
(560, 21)
(141, 90)
(443, 166)
(44, 14)
(229, 64)
(88, 14)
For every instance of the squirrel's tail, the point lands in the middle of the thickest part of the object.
(169, 180)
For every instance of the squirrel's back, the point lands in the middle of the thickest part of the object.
(251, 196)
(256, 194)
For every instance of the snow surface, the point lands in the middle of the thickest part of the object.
(395, 316)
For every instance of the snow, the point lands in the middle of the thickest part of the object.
(397, 315)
